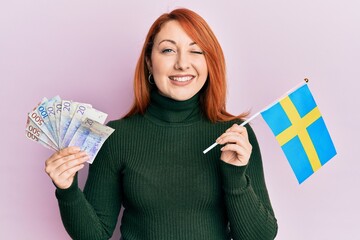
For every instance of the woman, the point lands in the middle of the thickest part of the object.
(153, 163)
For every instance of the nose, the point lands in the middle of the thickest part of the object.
(182, 62)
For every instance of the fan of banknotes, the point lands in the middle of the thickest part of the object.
(57, 124)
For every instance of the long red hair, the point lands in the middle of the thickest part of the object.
(213, 94)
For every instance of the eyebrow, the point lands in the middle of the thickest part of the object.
(173, 42)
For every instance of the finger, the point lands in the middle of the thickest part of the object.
(236, 129)
(240, 150)
(66, 180)
(233, 137)
(51, 166)
(239, 129)
(243, 131)
(71, 164)
(236, 139)
(64, 152)
(58, 176)
(232, 128)
(69, 173)
(242, 153)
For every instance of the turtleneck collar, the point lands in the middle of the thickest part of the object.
(164, 110)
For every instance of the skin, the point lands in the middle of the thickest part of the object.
(237, 149)
(175, 56)
(63, 165)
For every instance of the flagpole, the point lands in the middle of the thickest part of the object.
(242, 124)
(258, 113)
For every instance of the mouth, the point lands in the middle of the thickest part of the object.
(184, 78)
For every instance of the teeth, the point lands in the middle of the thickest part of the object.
(181, 79)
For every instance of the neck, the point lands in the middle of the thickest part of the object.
(164, 110)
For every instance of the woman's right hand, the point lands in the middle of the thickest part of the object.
(63, 165)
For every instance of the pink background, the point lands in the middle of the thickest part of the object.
(86, 51)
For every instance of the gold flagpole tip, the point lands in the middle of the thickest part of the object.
(306, 80)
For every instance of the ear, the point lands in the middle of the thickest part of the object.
(148, 63)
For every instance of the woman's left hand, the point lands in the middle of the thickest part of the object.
(237, 149)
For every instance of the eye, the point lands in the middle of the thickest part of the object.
(167, 50)
(197, 52)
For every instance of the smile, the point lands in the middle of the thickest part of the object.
(181, 78)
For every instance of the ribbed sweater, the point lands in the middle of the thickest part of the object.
(153, 166)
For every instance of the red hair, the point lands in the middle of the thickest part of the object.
(213, 94)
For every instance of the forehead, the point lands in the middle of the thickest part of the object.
(172, 30)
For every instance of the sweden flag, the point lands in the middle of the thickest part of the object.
(301, 132)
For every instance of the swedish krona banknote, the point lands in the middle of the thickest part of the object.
(56, 124)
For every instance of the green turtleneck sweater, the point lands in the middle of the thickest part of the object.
(153, 166)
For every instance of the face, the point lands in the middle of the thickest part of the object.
(177, 63)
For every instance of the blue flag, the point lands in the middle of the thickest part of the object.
(301, 132)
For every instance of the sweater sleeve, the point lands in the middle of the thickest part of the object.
(247, 201)
(93, 213)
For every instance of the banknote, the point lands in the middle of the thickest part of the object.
(38, 120)
(75, 122)
(58, 107)
(33, 137)
(90, 137)
(35, 134)
(47, 113)
(51, 111)
(67, 112)
(57, 123)
(81, 134)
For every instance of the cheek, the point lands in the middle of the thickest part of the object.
(202, 66)
(204, 72)
(161, 68)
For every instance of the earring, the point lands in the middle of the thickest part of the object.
(149, 79)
